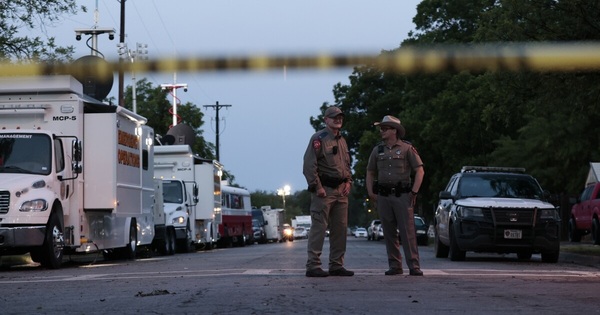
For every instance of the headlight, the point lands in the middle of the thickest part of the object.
(471, 212)
(548, 214)
(34, 205)
(179, 220)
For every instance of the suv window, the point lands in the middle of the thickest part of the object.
(452, 187)
(499, 185)
(587, 192)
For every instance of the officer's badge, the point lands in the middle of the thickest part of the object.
(398, 152)
(316, 144)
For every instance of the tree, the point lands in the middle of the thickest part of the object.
(542, 121)
(16, 15)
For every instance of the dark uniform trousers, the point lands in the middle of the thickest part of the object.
(332, 208)
(396, 213)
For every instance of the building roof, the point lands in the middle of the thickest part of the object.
(594, 173)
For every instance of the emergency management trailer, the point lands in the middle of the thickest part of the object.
(192, 195)
(76, 175)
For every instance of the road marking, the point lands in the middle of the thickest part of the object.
(462, 273)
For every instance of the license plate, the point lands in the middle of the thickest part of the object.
(513, 234)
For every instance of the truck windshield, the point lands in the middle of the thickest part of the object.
(25, 153)
(172, 192)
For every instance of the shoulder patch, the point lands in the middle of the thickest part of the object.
(414, 150)
(316, 144)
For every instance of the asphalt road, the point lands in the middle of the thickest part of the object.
(269, 279)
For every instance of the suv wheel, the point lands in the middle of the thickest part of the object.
(550, 257)
(455, 253)
(596, 231)
(574, 234)
(441, 250)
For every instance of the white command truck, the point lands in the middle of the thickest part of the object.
(274, 219)
(76, 175)
(302, 221)
(192, 194)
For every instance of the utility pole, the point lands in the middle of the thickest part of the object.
(140, 52)
(173, 88)
(122, 42)
(217, 107)
(94, 32)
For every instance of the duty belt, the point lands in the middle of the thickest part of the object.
(331, 182)
(395, 190)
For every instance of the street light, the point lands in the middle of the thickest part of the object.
(285, 191)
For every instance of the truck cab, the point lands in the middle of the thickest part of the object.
(177, 205)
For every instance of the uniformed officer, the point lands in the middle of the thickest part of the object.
(327, 172)
(389, 184)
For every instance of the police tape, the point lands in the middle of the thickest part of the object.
(541, 57)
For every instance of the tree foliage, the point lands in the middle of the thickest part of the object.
(16, 15)
(541, 121)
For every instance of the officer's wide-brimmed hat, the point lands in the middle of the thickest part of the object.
(393, 122)
(333, 111)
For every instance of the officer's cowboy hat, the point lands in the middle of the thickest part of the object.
(333, 111)
(393, 122)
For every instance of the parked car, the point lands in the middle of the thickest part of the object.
(360, 232)
(300, 232)
(494, 209)
(421, 231)
(585, 213)
(375, 231)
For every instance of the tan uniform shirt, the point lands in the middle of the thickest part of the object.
(326, 155)
(393, 165)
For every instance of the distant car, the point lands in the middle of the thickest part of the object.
(288, 233)
(360, 232)
(300, 232)
(421, 231)
(375, 231)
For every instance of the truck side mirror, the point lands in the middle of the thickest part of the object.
(195, 193)
(76, 154)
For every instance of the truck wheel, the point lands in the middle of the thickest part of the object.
(185, 245)
(170, 241)
(51, 252)
(130, 250)
(596, 231)
(574, 234)
(241, 240)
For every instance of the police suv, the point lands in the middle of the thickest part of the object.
(495, 209)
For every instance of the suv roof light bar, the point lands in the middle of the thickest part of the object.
(475, 169)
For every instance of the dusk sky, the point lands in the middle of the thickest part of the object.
(266, 130)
